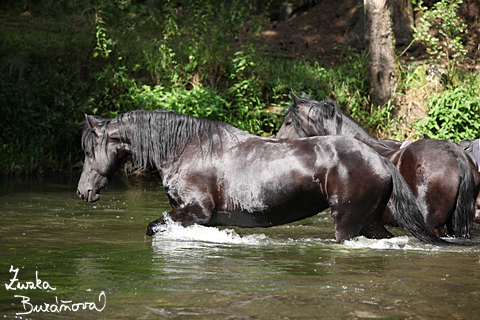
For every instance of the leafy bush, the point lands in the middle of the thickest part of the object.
(452, 115)
(199, 102)
(195, 57)
(441, 31)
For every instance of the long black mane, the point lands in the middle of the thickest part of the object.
(158, 135)
(296, 115)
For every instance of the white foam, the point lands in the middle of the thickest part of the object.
(200, 236)
(396, 243)
(175, 231)
(405, 243)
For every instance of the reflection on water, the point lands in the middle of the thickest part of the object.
(295, 271)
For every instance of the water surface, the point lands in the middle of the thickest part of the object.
(295, 271)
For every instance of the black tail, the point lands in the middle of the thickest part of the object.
(462, 220)
(406, 210)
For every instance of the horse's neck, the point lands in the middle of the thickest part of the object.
(200, 150)
(353, 129)
(356, 131)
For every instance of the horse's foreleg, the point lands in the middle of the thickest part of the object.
(376, 230)
(186, 215)
(347, 223)
(361, 217)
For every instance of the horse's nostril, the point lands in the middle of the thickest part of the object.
(78, 193)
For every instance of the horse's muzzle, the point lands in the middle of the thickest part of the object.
(90, 196)
(155, 227)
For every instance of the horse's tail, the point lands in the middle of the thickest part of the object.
(406, 211)
(462, 220)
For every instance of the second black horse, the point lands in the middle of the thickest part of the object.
(442, 177)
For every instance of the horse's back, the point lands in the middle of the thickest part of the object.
(342, 166)
(319, 152)
(428, 162)
(442, 156)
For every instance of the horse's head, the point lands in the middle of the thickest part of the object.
(309, 118)
(105, 150)
(298, 122)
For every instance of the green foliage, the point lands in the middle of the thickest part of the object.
(193, 62)
(245, 91)
(452, 115)
(104, 44)
(195, 57)
(199, 102)
(349, 85)
(442, 18)
(42, 92)
(414, 78)
(453, 110)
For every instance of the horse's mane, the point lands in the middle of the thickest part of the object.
(158, 135)
(296, 115)
(327, 110)
(322, 110)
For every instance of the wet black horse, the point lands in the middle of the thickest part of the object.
(217, 175)
(442, 177)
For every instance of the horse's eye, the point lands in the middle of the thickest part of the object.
(88, 154)
(288, 123)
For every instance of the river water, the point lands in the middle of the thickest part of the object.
(94, 261)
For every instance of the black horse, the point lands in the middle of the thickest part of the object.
(442, 177)
(217, 175)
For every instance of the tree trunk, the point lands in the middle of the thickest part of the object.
(402, 17)
(383, 68)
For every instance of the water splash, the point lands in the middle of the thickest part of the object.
(197, 236)
(396, 243)
(175, 231)
(404, 243)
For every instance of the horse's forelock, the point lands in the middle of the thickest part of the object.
(296, 118)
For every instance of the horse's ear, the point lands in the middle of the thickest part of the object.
(93, 124)
(295, 99)
(304, 95)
